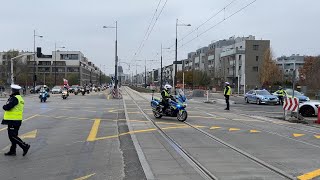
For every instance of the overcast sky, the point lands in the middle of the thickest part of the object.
(292, 26)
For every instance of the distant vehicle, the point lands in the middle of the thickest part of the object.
(309, 108)
(73, 88)
(38, 87)
(260, 97)
(302, 98)
(56, 90)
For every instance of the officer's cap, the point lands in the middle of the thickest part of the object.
(227, 83)
(14, 86)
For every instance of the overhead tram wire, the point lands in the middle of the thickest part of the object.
(210, 18)
(157, 18)
(145, 35)
(226, 18)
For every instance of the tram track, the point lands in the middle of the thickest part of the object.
(200, 168)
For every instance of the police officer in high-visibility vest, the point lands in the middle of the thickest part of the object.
(281, 94)
(13, 115)
(165, 94)
(227, 93)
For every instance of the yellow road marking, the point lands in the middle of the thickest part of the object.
(248, 120)
(142, 131)
(215, 127)
(298, 135)
(31, 134)
(254, 131)
(85, 177)
(23, 121)
(94, 130)
(234, 129)
(309, 175)
(317, 136)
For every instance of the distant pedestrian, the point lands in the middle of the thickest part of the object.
(227, 93)
(13, 115)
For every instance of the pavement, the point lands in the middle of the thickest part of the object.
(95, 137)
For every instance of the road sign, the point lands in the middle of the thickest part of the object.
(177, 62)
(291, 104)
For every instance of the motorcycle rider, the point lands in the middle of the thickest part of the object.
(166, 96)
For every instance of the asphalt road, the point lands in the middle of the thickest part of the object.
(70, 139)
(94, 137)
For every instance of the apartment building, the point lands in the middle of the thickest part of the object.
(290, 64)
(59, 65)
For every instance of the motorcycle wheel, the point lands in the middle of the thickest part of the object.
(40, 100)
(182, 116)
(157, 115)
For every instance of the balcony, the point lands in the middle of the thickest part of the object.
(232, 52)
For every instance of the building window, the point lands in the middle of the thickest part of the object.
(255, 69)
(257, 58)
(72, 69)
(69, 56)
(240, 57)
(256, 47)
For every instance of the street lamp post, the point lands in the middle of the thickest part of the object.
(55, 62)
(11, 64)
(116, 53)
(161, 71)
(176, 54)
(34, 57)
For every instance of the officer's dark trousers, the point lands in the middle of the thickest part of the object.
(281, 100)
(13, 131)
(227, 101)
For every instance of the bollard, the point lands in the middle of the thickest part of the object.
(318, 121)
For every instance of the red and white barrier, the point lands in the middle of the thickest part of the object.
(291, 104)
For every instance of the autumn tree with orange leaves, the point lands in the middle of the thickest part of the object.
(269, 73)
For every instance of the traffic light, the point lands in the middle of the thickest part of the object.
(39, 54)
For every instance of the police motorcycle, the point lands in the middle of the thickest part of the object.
(64, 94)
(43, 95)
(82, 91)
(176, 107)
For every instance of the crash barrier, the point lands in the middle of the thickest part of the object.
(116, 94)
(290, 107)
(291, 104)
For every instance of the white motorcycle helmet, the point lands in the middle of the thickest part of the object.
(167, 87)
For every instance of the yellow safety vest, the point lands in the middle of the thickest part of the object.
(16, 113)
(166, 94)
(229, 91)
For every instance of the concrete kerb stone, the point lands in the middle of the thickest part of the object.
(145, 165)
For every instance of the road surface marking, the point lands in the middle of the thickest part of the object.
(215, 127)
(144, 130)
(309, 175)
(298, 135)
(317, 136)
(254, 131)
(85, 177)
(28, 135)
(94, 130)
(248, 120)
(23, 121)
(234, 129)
